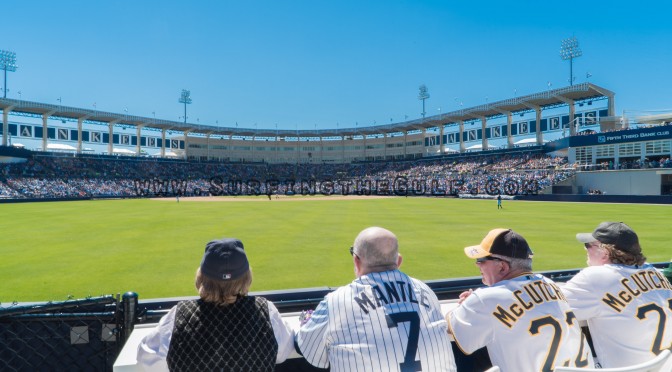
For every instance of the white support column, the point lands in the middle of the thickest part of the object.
(484, 140)
(572, 113)
(509, 137)
(442, 144)
(80, 122)
(424, 136)
(138, 145)
(537, 110)
(509, 120)
(163, 143)
(539, 133)
(461, 134)
(110, 142)
(610, 105)
(45, 132)
(186, 144)
(5, 125)
(405, 142)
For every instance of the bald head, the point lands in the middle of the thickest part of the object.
(377, 248)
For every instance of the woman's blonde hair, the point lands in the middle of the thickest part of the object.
(222, 292)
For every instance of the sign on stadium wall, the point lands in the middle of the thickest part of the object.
(632, 135)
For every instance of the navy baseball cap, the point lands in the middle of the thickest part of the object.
(616, 233)
(503, 242)
(224, 259)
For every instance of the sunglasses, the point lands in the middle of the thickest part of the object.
(352, 251)
(489, 258)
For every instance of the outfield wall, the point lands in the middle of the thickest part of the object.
(629, 183)
(573, 198)
(622, 182)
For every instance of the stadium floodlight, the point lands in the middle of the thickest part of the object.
(185, 98)
(569, 49)
(7, 63)
(423, 95)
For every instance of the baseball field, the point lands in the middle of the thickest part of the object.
(89, 248)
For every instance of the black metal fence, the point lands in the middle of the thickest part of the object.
(73, 335)
(88, 334)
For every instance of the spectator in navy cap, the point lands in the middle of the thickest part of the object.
(223, 330)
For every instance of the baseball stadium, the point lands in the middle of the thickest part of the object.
(110, 212)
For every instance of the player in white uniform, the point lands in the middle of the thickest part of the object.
(383, 321)
(626, 301)
(522, 318)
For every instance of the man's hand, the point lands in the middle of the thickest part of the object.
(464, 295)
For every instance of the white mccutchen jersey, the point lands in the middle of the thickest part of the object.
(525, 323)
(383, 321)
(628, 310)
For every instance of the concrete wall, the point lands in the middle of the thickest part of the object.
(619, 182)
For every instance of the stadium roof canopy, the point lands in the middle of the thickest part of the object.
(527, 141)
(655, 119)
(123, 151)
(60, 147)
(479, 147)
(546, 99)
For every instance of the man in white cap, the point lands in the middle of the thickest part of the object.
(626, 301)
(522, 318)
(223, 330)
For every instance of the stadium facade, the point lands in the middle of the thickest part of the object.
(519, 121)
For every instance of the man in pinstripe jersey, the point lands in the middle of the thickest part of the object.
(383, 321)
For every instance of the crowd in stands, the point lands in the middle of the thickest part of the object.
(595, 192)
(630, 164)
(76, 177)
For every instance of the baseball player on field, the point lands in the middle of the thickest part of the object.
(626, 301)
(522, 318)
(383, 321)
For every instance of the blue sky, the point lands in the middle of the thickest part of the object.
(327, 64)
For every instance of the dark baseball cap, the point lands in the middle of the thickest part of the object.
(503, 242)
(224, 259)
(616, 233)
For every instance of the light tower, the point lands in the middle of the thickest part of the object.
(569, 49)
(423, 95)
(7, 63)
(185, 98)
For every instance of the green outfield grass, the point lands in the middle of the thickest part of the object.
(91, 248)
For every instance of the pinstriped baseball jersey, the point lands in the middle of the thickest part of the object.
(525, 323)
(628, 310)
(383, 321)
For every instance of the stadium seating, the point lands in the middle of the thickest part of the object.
(661, 363)
(46, 177)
